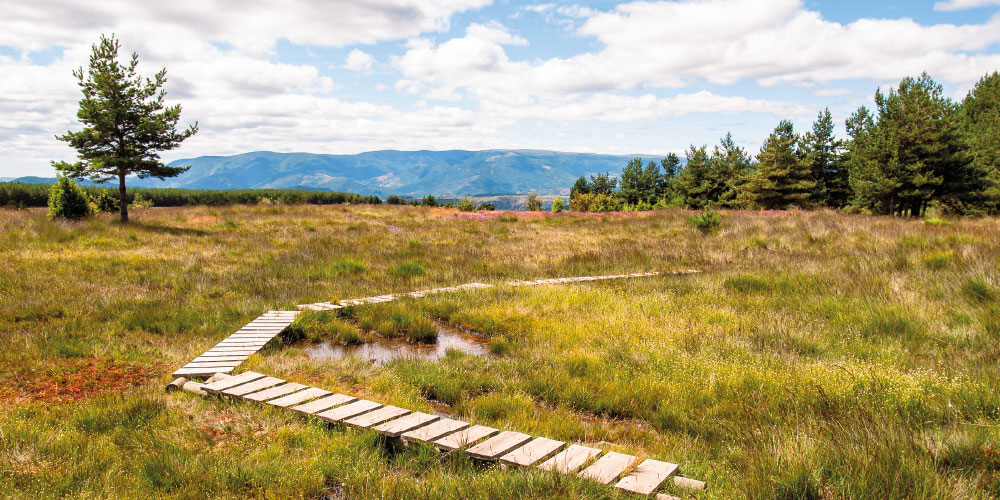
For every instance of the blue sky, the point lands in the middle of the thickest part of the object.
(605, 77)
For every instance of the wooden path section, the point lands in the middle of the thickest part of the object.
(225, 356)
(622, 471)
(328, 306)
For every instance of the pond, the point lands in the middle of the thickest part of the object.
(382, 350)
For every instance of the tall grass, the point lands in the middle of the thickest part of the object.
(817, 355)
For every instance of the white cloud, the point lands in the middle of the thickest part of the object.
(359, 60)
(964, 4)
(672, 44)
(251, 25)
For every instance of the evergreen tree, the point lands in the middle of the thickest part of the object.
(671, 168)
(696, 184)
(730, 163)
(639, 184)
(781, 177)
(126, 123)
(582, 186)
(981, 123)
(912, 153)
(823, 153)
(602, 183)
(632, 188)
(67, 200)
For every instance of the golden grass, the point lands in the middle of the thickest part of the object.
(818, 355)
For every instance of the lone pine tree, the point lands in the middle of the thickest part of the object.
(126, 123)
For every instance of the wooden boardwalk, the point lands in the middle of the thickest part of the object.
(232, 351)
(328, 306)
(622, 471)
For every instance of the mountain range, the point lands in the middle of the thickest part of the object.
(406, 173)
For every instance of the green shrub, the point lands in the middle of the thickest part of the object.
(557, 205)
(347, 266)
(978, 291)
(708, 221)
(410, 268)
(141, 201)
(107, 203)
(430, 201)
(67, 200)
(938, 260)
(486, 206)
(394, 200)
(533, 204)
(466, 204)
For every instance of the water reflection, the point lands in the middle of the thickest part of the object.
(381, 350)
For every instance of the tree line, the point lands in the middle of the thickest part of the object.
(915, 149)
(25, 195)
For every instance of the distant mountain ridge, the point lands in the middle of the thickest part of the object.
(407, 173)
(410, 173)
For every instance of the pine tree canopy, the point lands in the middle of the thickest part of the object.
(126, 122)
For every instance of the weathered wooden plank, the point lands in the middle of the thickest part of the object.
(203, 359)
(375, 417)
(570, 459)
(254, 386)
(222, 364)
(200, 372)
(275, 392)
(242, 343)
(686, 482)
(436, 430)
(536, 450)
(226, 383)
(250, 336)
(647, 477)
(299, 397)
(349, 410)
(465, 437)
(396, 428)
(607, 468)
(498, 445)
(224, 349)
(324, 403)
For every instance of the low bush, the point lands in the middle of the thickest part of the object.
(410, 268)
(708, 221)
(68, 201)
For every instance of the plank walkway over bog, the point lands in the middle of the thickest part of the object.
(328, 306)
(622, 471)
(232, 351)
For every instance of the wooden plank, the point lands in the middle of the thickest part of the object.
(200, 372)
(570, 459)
(465, 437)
(647, 477)
(535, 451)
(434, 431)
(324, 404)
(275, 392)
(254, 386)
(232, 349)
(396, 428)
(211, 354)
(299, 397)
(375, 417)
(223, 364)
(226, 383)
(349, 410)
(607, 468)
(498, 445)
(686, 482)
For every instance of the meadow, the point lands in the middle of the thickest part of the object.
(816, 356)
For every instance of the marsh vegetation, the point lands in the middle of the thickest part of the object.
(818, 355)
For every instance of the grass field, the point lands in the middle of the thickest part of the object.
(817, 355)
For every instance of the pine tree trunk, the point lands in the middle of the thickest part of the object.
(122, 202)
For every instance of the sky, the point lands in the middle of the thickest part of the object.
(343, 77)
